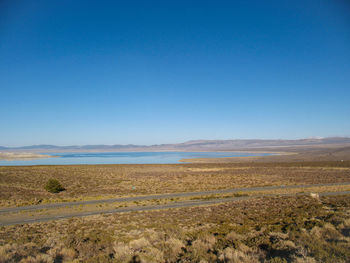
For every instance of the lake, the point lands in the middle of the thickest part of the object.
(124, 158)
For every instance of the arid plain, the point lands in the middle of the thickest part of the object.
(293, 207)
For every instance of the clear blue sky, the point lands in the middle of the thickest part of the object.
(147, 72)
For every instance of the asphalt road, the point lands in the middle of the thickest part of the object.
(162, 196)
(151, 207)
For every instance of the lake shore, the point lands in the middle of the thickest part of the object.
(236, 158)
(290, 154)
(94, 158)
(10, 156)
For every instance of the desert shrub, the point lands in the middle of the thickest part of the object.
(122, 252)
(278, 260)
(234, 238)
(54, 186)
(68, 254)
(304, 260)
(152, 254)
(172, 248)
(232, 255)
(6, 252)
(139, 244)
(201, 249)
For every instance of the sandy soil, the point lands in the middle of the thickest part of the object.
(289, 154)
(22, 156)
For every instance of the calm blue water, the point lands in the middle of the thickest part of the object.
(124, 158)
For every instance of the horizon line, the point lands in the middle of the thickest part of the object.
(193, 140)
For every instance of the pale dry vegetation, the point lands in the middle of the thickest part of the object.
(293, 229)
(25, 185)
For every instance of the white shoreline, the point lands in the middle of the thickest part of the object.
(11, 156)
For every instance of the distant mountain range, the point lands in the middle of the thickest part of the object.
(195, 145)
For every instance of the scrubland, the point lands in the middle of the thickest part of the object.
(288, 229)
(296, 228)
(25, 185)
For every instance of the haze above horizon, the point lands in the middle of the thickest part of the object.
(109, 72)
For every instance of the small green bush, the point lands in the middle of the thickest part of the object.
(54, 186)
